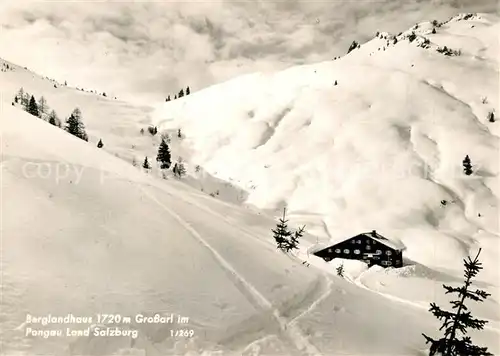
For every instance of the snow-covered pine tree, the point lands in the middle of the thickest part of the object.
(181, 93)
(53, 119)
(25, 101)
(188, 91)
(74, 125)
(100, 144)
(181, 170)
(179, 133)
(467, 165)
(352, 47)
(164, 156)
(282, 234)
(33, 107)
(461, 319)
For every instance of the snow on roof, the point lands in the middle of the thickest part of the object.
(374, 235)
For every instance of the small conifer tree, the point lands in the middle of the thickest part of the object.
(100, 144)
(282, 234)
(340, 270)
(33, 107)
(146, 165)
(179, 133)
(352, 47)
(164, 156)
(181, 170)
(188, 91)
(467, 165)
(53, 119)
(461, 319)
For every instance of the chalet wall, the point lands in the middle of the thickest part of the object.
(363, 248)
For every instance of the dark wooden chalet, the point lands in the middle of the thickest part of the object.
(370, 247)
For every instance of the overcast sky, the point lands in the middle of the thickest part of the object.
(148, 49)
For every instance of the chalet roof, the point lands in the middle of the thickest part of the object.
(374, 235)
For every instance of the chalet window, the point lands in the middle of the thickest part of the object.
(384, 263)
(357, 252)
(358, 242)
(346, 250)
(337, 250)
(330, 250)
(398, 262)
(368, 247)
(388, 252)
(353, 241)
(378, 252)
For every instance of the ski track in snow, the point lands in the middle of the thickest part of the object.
(316, 302)
(293, 333)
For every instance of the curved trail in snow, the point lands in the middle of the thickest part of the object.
(293, 334)
(357, 281)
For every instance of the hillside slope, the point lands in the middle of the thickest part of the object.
(372, 140)
(86, 233)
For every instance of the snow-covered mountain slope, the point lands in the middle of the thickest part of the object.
(373, 140)
(84, 233)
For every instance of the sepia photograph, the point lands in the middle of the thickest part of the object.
(249, 178)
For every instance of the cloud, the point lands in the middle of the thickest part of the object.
(147, 49)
